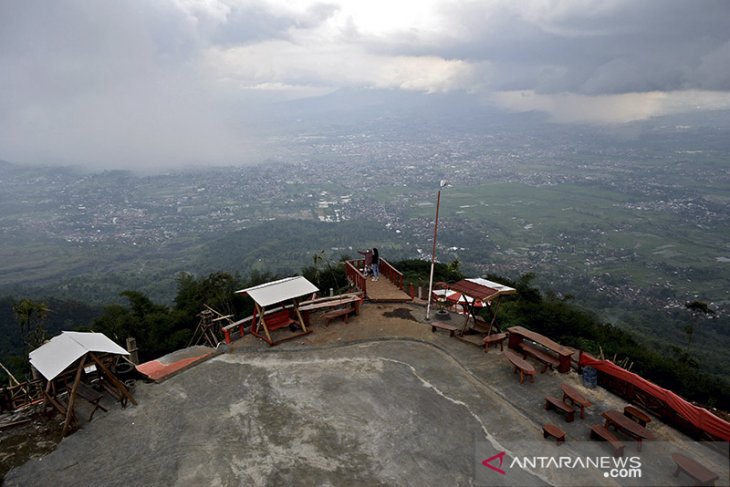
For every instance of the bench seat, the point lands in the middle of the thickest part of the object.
(557, 404)
(550, 429)
(277, 320)
(543, 357)
(494, 339)
(337, 313)
(443, 326)
(600, 432)
(699, 472)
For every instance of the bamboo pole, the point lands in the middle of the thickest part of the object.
(72, 396)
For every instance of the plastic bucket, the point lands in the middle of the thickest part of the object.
(590, 377)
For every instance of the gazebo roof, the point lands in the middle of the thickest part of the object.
(279, 291)
(482, 289)
(53, 357)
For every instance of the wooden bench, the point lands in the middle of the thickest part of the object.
(543, 357)
(443, 326)
(277, 320)
(702, 475)
(238, 325)
(575, 398)
(635, 414)
(336, 313)
(550, 429)
(627, 426)
(92, 396)
(553, 402)
(598, 431)
(523, 366)
(494, 339)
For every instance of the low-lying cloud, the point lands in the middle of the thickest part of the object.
(140, 84)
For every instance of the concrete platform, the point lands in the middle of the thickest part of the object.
(418, 408)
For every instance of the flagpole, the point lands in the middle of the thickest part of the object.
(433, 251)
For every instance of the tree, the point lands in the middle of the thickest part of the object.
(698, 310)
(31, 316)
(216, 290)
(323, 273)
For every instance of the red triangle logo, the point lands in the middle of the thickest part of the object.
(487, 463)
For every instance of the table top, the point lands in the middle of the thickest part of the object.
(617, 418)
(542, 340)
(518, 361)
(327, 303)
(575, 395)
(637, 413)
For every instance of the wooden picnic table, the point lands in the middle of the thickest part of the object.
(518, 333)
(306, 308)
(575, 397)
(522, 365)
(626, 425)
(636, 414)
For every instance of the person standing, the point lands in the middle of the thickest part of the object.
(367, 266)
(376, 265)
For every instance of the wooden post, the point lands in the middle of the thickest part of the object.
(72, 396)
(122, 388)
(263, 323)
(299, 315)
(133, 350)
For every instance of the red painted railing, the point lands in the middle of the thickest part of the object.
(391, 273)
(356, 278)
(359, 280)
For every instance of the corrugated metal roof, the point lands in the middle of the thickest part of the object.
(52, 358)
(281, 290)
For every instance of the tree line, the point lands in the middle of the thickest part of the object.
(163, 328)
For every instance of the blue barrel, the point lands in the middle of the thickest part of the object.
(590, 377)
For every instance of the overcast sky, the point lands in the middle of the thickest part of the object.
(121, 83)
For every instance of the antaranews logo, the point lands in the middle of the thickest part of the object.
(488, 462)
(612, 467)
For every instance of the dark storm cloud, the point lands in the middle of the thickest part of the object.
(165, 82)
(589, 47)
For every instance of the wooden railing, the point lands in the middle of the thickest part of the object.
(360, 281)
(356, 278)
(391, 273)
(21, 395)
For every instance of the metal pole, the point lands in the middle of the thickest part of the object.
(433, 256)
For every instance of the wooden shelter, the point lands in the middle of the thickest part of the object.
(480, 290)
(276, 306)
(67, 362)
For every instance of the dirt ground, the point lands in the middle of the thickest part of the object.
(35, 437)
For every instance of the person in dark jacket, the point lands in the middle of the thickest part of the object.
(376, 265)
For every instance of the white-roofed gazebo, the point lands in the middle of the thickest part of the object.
(282, 298)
